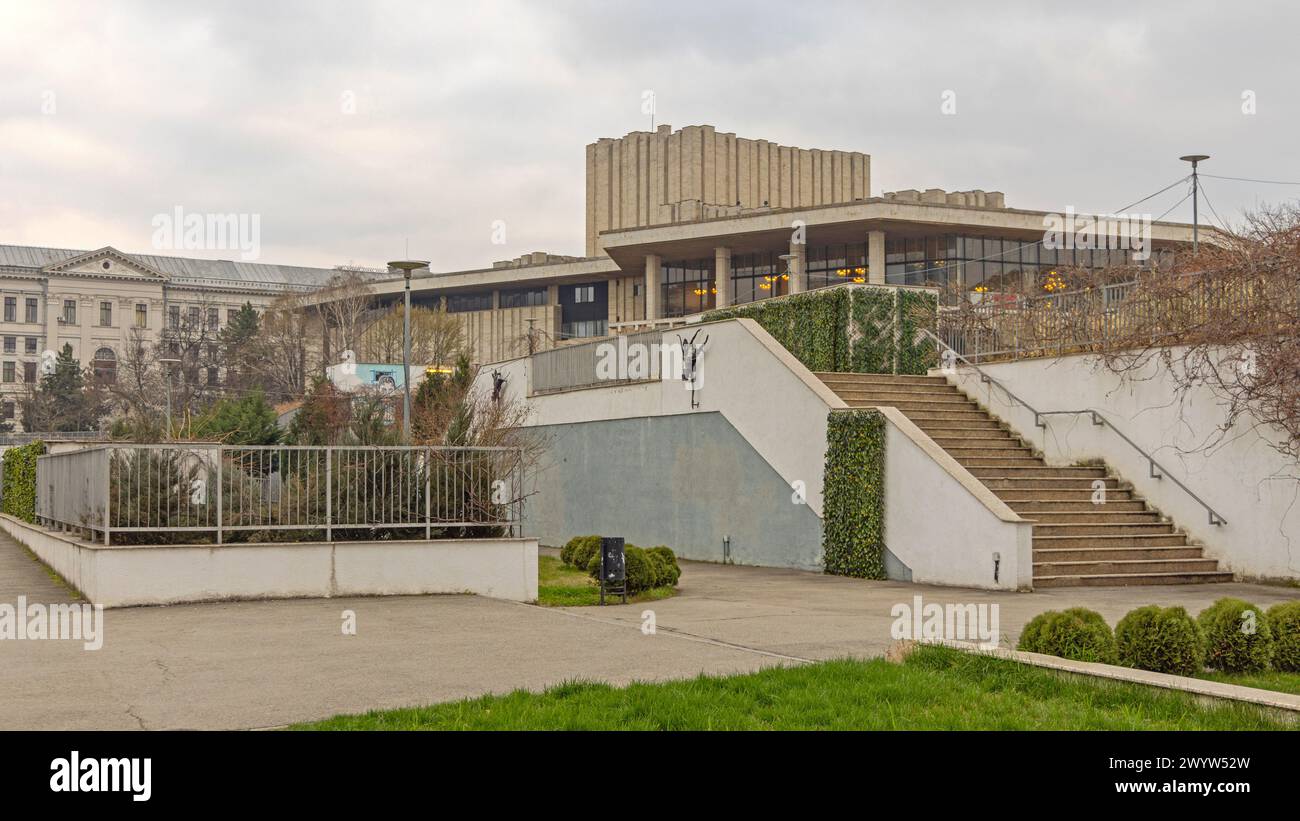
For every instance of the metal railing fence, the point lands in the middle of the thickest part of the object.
(1154, 469)
(1010, 326)
(580, 366)
(176, 492)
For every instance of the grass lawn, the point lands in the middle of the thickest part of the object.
(934, 689)
(561, 586)
(1268, 680)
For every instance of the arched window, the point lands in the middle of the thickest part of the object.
(105, 365)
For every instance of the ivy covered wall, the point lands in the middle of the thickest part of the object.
(853, 507)
(19, 479)
(861, 329)
(813, 325)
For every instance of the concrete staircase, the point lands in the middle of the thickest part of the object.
(1075, 542)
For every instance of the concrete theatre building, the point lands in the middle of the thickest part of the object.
(684, 221)
(677, 222)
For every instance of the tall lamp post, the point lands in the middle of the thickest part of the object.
(169, 362)
(1196, 227)
(407, 266)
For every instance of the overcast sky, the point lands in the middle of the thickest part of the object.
(355, 128)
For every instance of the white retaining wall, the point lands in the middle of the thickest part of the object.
(1244, 479)
(123, 575)
(941, 524)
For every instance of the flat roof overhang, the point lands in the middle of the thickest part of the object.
(840, 223)
(538, 276)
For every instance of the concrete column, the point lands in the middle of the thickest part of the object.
(876, 257)
(722, 277)
(798, 267)
(652, 263)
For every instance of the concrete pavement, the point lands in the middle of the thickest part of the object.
(266, 663)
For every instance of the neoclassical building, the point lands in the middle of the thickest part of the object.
(95, 300)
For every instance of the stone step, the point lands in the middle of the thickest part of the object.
(1012, 453)
(1028, 494)
(1075, 541)
(1061, 505)
(886, 384)
(954, 400)
(1035, 472)
(1124, 566)
(1125, 579)
(881, 378)
(1014, 485)
(1115, 517)
(1005, 441)
(1014, 460)
(1102, 529)
(943, 410)
(1043, 542)
(933, 423)
(1091, 554)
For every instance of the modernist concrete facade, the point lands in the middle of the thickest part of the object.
(665, 176)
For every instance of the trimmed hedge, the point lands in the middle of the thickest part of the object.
(1236, 642)
(20, 480)
(672, 570)
(578, 550)
(1077, 633)
(1284, 621)
(853, 507)
(1160, 639)
(646, 567)
(640, 573)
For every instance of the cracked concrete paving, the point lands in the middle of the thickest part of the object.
(265, 663)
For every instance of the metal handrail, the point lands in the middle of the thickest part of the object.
(1097, 419)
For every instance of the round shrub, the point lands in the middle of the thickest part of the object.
(581, 549)
(1077, 633)
(1237, 636)
(660, 573)
(640, 575)
(1284, 621)
(670, 561)
(1160, 639)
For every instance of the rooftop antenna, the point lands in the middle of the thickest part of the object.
(1196, 228)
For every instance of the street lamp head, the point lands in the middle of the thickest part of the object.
(1194, 158)
(409, 265)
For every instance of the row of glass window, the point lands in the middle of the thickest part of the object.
(977, 263)
(141, 316)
